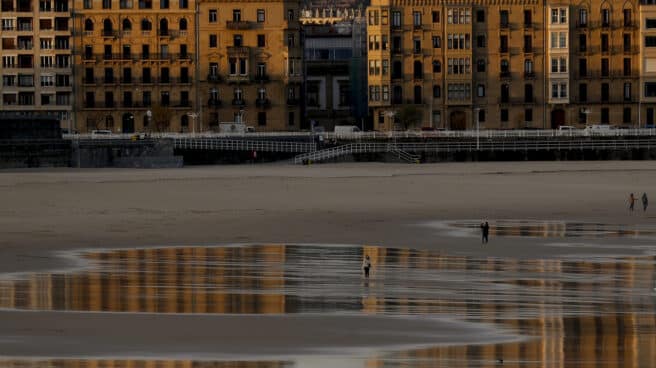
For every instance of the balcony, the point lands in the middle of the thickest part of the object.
(214, 103)
(529, 75)
(261, 78)
(238, 25)
(505, 75)
(630, 24)
(238, 102)
(582, 25)
(528, 50)
(238, 51)
(628, 50)
(99, 105)
(108, 33)
(263, 103)
(183, 103)
(238, 78)
(183, 57)
(127, 80)
(183, 80)
(90, 81)
(503, 50)
(143, 80)
(214, 78)
(110, 80)
(504, 25)
(167, 33)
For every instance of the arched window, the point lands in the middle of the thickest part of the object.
(437, 66)
(417, 97)
(418, 69)
(627, 14)
(107, 25)
(127, 25)
(183, 24)
(146, 25)
(88, 25)
(163, 27)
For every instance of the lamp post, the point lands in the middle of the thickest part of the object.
(193, 116)
(149, 115)
(478, 144)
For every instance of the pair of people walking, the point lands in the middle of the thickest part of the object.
(633, 199)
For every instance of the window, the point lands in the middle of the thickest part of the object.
(238, 94)
(528, 18)
(243, 70)
(605, 17)
(650, 41)
(437, 91)
(626, 42)
(458, 16)
(261, 118)
(626, 115)
(385, 67)
(583, 17)
(558, 65)
(650, 89)
(213, 16)
(107, 4)
(290, 40)
(184, 4)
(480, 90)
(236, 15)
(290, 18)
(88, 4)
(505, 66)
(232, 66)
(436, 16)
(605, 69)
(480, 65)
(396, 19)
(528, 115)
(583, 67)
(384, 43)
(503, 43)
(605, 115)
(437, 42)
(213, 42)
(605, 92)
(344, 96)
(528, 67)
(604, 42)
(416, 43)
(260, 40)
(583, 42)
(481, 116)
(503, 18)
(650, 23)
(480, 16)
(163, 4)
(528, 43)
(416, 19)
(437, 66)
(627, 91)
(260, 15)
(384, 17)
(458, 91)
(504, 115)
(583, 92)
(237, 40)
(558, 40)
(290, 118)
(480, 41)
(627, 67)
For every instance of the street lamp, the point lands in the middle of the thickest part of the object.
(478, 133)
(193, 116)
(149, 115)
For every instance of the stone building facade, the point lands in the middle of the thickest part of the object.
(506, 64)
(36, 65)
(251, 64)
(135, 65)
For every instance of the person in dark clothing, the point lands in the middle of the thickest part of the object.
(632, 201)
(366, 265)
(485, 229)
(645, 202)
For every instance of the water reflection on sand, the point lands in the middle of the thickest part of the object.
(582, 313)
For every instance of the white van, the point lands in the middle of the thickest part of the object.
(346, 129)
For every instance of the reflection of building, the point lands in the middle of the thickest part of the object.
(506, 64)
(335, 56)
(135, 56)
(36, 58)
(251, 67)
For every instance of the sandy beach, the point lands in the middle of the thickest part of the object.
(402, 206)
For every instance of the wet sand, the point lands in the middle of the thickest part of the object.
(45, 212)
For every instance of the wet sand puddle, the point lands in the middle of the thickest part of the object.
(581, 313)
(554, 229)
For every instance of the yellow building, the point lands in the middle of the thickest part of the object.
(135, 65)
(36, 58)
(505, 64)
(250, 62)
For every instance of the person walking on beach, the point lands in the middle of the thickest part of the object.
(366, 265)
(485, 230)
(632, 200)
(645, 202)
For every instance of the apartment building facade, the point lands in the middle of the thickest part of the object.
(135, 65)
(251, 64)
(505, 64)
(36, 58)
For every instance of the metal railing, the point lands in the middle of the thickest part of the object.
(242, 145)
